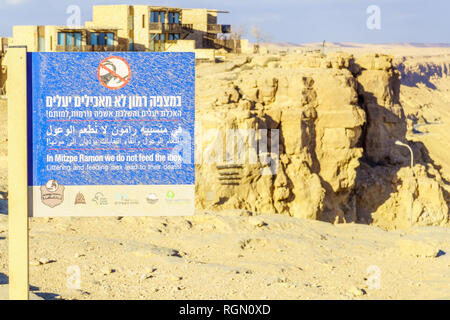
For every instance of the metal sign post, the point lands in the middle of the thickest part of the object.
(17, 173)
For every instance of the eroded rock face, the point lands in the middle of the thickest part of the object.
(330, 114)
(379, 89)
(385, 185)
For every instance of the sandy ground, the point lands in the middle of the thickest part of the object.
(232, 255)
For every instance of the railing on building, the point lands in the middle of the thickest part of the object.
(229, 45)
(169, 27)
(219, 28)
(188, 27)
(88, 48)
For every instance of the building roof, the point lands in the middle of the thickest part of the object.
(209, 10)
(74, 28)
(167, 8)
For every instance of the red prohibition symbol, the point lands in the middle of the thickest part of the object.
(114, 73)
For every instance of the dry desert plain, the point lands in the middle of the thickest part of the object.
(331, 224)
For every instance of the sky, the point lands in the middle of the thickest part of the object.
(295, 21)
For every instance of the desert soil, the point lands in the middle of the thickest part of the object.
(233, 256)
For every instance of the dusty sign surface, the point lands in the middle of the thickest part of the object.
(111, 133)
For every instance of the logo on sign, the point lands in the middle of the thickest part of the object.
(100, 199)
(114, 73)
(124, 199)
(52, 194)
(170, 195)
(79, 199)
(152, 198)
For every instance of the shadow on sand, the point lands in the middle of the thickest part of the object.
(35, 290)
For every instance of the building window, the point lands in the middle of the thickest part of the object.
(110, 39)
(69, 39)
(157, 17)
(154, 36)
(157, 42)
(174, 17)
(226, 29)
(77, 37)
(154, 17)
(94, 39)
(102, 39)
(61, 38)
(174, 36)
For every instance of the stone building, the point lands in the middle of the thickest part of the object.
(133, 28)
(156, 28)
(61, 39)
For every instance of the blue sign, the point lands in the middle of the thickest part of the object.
(111, 119)
(104, 112)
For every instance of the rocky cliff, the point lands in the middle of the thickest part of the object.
(336, 118)
(423, 70)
